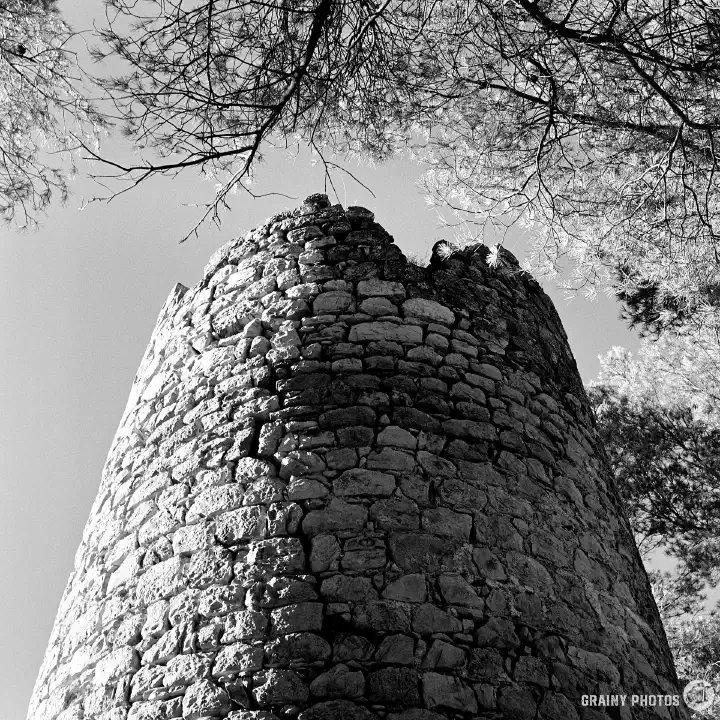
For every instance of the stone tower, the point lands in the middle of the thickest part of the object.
(346, 487)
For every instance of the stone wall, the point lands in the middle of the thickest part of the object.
(346, 488)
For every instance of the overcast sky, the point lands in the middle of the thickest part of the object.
(78, 301)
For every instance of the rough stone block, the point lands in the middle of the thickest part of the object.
(396, 650)
(209, 567)
(391, 459)
(279, 687)
(458, 591)
(428, 310)
(351, 648)
(264, 491)
(279, 591)
(447, 691)
(301, 462)
(186, 669)
(214, 500)
(364, 483)
(397, 686)
(277, 556)
(283, 518)
(415, 714)
(378, 306)
(363, 554)
(146, 681)
(497, 633)
(417, 488)
(204, 699)
(445, 522)
(356, 436)
(156, 710)
(396, 513)
(409, 417)
(595, 664)
(333, 302)
(339, 682)
(429, 619)
(395, 436)
(388, 331)
(347, 417)
(408, 588)
(249, 469)
(532, 670)
(445, 656)
(498, 532)
(324, 553)
(381, 288)
(119, 662)
(382, 616)
(300, 617)
(338, 516)
(343, 589)
(460, 495)
(421, 552)
(298, 647)
(517, 701)
(337, 710)
(160, 581)
(555, 704)
(166, 647)
(238, 658)
(191, 538)
(529, 572)
(220, 599)
(342, 458)
(243, 625)
(470, 430)
(305, 489)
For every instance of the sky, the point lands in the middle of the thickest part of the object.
(78, 302)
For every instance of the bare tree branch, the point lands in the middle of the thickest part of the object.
(591, 123)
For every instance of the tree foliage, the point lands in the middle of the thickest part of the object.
(695, 645)
(678, 594)
(593, 122)
(678, 370)
(647, 308)
(42, 112)
(658, 416)
(211, 84)
(667, 468)
(597, 122)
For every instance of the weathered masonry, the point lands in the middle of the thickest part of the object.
(347, 488)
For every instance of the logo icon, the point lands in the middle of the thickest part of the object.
(699, 695)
